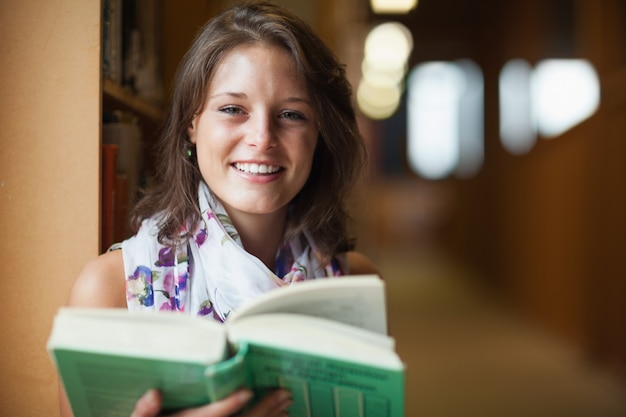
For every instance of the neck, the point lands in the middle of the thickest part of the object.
(261, 234)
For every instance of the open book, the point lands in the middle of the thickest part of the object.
(325, 340)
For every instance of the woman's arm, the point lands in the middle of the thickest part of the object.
(101, 283)
(359, 264)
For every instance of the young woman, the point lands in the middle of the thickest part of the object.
(259, 151)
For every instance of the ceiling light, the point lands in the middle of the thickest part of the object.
(393, 6)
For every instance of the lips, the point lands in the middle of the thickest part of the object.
(257, 169)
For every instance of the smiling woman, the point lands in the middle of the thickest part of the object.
(258, 154)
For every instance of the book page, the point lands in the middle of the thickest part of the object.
(317, 336)
(147, 334)
(354, 300)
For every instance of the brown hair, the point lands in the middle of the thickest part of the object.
(320, 207)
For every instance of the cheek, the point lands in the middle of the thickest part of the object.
(209, 156)
(211, 143)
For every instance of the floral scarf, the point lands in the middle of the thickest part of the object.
(212, 274)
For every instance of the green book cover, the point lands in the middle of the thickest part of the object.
(100, 384)
(323, 387)
(331, 369)
(108, 358)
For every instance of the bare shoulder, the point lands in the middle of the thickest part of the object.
(359, 264)
(101, 283)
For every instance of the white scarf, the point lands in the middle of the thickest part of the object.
(211, 274)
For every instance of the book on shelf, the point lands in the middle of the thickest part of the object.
(131, 46)
(325, 340)
(112, 55)
(121, 130)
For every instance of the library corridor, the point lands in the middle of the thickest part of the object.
(468, 354)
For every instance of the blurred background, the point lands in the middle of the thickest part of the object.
(494, 201)
(496, 197)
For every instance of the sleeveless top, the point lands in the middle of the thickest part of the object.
(212, 274)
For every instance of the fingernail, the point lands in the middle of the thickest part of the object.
(150, 397)
(245, 395)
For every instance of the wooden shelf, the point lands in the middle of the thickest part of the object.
(114, 95)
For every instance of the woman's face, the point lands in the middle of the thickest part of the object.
(256, 135)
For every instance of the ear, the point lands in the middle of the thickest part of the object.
(191, 131)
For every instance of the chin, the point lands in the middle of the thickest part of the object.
(258, 208)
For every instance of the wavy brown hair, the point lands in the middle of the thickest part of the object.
(320, 207)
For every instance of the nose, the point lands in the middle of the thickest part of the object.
(262, 131)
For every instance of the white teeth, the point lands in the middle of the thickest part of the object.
(254, 168)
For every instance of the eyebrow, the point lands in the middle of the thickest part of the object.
(230, 94)
(244, 95)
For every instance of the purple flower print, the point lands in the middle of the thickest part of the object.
(182, 282)
(206, 308)
(201, 237)
(166, 257)
(139, 286)
(168, 283)
(168, 305)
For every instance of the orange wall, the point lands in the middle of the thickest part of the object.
(49, 172)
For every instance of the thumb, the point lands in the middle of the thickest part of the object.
(229, 405)
(148, 405)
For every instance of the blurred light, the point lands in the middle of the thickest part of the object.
(388, 45)
(433, 122)
(384, 66)
(445, 119)
(471, 120)
(564, 93)
(517, 128)
(393, 6)
(377, 75)
(378, 102)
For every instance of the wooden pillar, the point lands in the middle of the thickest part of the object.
(49, 182)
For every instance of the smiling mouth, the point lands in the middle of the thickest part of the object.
(257, 169)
